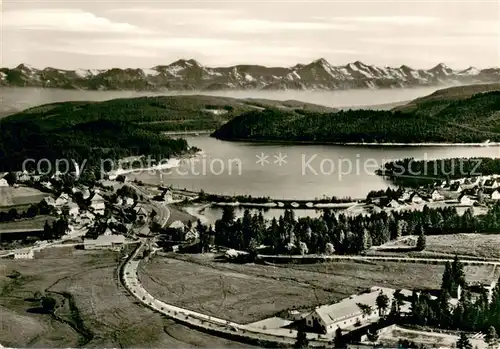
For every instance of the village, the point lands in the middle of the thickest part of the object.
(105, 215)
(112, 213)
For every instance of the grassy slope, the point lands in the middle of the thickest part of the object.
(249, 292)
(114, 318)
(450, 115)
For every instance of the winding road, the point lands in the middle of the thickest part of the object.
(284, 336)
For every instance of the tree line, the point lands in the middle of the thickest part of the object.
(405, 170)
(31, 212)
(425, 124)
(473, 312)
(91, 141)
(345, 234)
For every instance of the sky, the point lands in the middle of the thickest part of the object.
(102, 34)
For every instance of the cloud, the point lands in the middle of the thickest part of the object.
(89, 50)
(486, 27)
(433, 41)
(70, 20)
(387, 20)
(166, 43)
(173, 11)
(259, 25)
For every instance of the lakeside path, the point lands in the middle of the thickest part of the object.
(361, 144)
(224, 327)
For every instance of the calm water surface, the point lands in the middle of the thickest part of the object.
(233, 168)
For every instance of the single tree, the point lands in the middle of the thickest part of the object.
(382, 302)
(421, 241)
(491, 336)
(302, 341)
(398, 301)
(463, 342)
(447, 281)
(339, 339)
(366, 309)
(48, 304)
(37, 296)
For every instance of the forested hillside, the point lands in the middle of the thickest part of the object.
(471, 120)
(119, 128)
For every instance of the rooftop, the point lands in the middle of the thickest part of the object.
(348, 307)
(177, 225)
(97, 197)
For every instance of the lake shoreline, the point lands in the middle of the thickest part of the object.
(359, 144)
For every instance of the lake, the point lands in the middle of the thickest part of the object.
(306, 171)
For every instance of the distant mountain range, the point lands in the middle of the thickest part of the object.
(191, 75)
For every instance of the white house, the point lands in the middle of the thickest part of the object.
(49, 201)
(495, 195)
(141, 213)
(406, 195)
(393, 204)
(74, 209)
(85, 193)
(347, 313)
(25, 253)
(128, 201)
(416, 199)
(436, 195)
(104, 242)
(23, 176)
(491, 184)
(465, 200)
(97, 203)
(456, 188)
(62, 200)
(167, 196)
(3, 182)
(177, 225)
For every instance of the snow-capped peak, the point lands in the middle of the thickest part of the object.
(470, 71)
(320, 61)
(442, 68)
(25, 67)
(185, 63)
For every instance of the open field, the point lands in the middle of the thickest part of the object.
(25, 224)
(465, 245)
(105, 316)
(251, 292)
(481, 245)
(10, 196)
